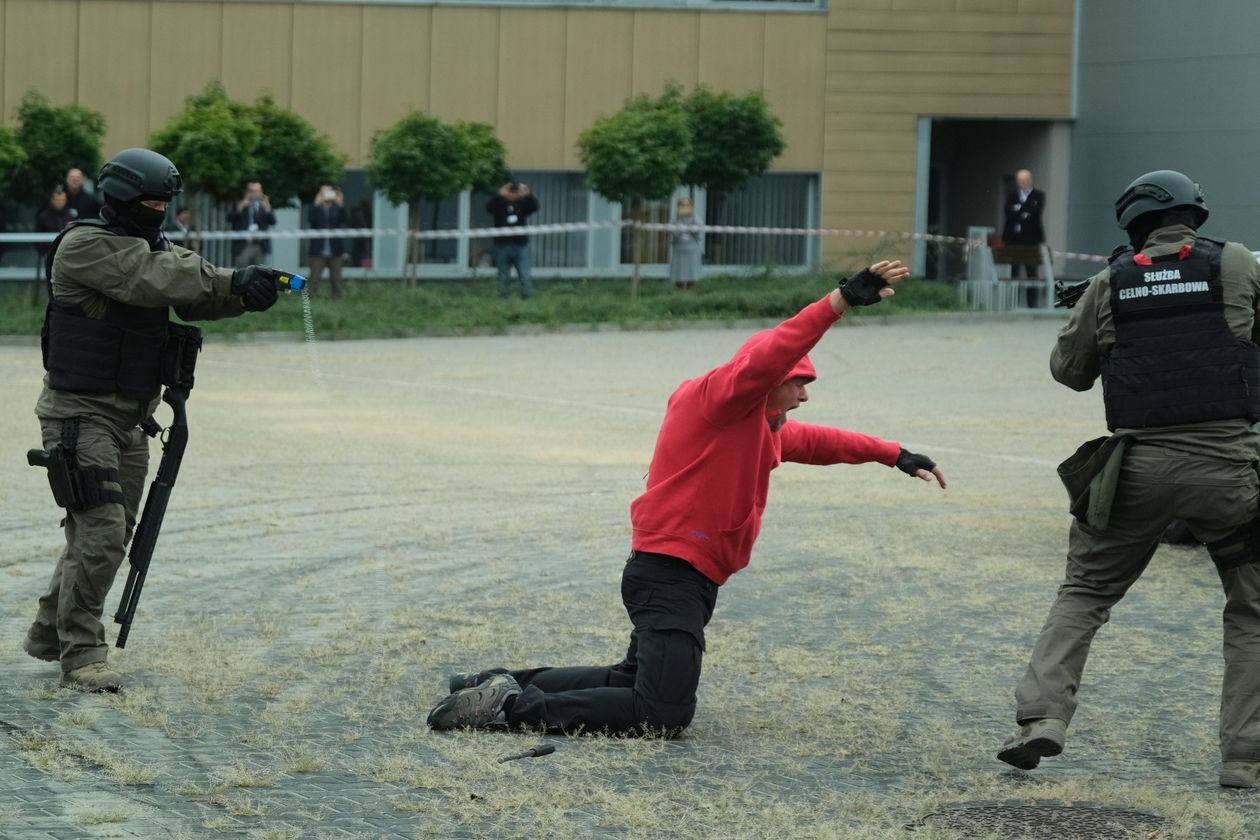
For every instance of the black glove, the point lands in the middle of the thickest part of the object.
(256, 286)
(910, 464)
(862, 289)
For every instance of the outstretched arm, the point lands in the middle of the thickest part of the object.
(807, 443)
(741, 385)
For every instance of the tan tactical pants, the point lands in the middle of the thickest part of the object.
(1156, 486)
(70, 612)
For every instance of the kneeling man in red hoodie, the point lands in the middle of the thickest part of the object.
(694, 527)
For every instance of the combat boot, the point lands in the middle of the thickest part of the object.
(1240, 774)
(472, 679)
(95, 676)
(483, 707)
(1033, 741)
(41, 648)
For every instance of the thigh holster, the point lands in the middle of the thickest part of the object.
(74, 488)
(1238, 548)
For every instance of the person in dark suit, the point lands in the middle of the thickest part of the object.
(79, 202)
(328, 212)
(1022, 233)
(253, 213)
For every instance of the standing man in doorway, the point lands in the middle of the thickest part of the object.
(1022, 233)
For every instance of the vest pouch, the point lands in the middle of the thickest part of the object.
(183, 343)
(82, 353)
(1090, 476)
(140, 368)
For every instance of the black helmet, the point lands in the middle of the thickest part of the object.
(1163, 189)
(139, 174)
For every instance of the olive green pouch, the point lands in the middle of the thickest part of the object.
(1090, 476)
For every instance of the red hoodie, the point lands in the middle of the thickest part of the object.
(707, 483)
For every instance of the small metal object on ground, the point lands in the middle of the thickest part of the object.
(1081, 821)
(533, 752)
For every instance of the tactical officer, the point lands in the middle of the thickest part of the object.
(107, 352)
(1171, 327)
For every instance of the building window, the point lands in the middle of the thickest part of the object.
(441, 215)
(778, 199)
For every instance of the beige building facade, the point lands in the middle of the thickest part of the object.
(859, 84)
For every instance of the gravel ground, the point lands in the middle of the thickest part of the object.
(351, 526)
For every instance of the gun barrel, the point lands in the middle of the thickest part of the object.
(145, 539)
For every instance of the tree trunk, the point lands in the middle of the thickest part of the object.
(637, 211)
(413, 248)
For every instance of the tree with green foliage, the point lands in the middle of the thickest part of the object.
(219, 143)
(637, 154)
(292, 159)
(733, 138)
(422, 156)
(11, 157)
(53, 139)
(486, 157)
(212, 143)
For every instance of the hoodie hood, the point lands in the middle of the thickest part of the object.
(804, 368)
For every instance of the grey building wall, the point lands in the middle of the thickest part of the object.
(1167, 84)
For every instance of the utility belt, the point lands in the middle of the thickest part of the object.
(79, 488)
(74, 487)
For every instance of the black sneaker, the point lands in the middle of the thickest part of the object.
(482, 707)
(459, 682)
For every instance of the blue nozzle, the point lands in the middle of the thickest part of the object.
(290, 282)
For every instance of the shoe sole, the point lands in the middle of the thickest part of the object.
(1028, 755)
(462, 712)
(469, 708)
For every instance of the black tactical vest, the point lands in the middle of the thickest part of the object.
(119, 353)
(1175, 359)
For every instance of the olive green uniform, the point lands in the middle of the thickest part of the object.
(1204, 473)
(91, 267)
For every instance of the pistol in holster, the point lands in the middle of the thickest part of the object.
(74, 488)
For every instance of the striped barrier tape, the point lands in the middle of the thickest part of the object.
(556, 228)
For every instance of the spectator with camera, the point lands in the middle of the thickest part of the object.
(328, 212)
(253, 214)
(510, 207)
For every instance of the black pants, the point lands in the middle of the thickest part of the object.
(1032, 295)
(654, 688)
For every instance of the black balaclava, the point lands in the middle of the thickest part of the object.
(1141, 228)
(136, 219)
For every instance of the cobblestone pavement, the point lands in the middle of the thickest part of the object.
(331, 554)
